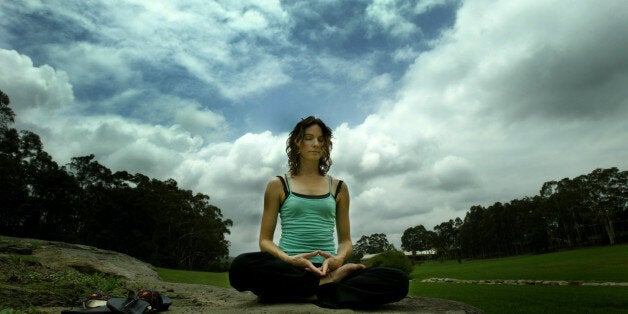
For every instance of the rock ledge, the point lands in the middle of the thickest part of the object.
(188, 298)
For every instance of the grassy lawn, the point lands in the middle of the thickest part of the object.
(598, 264)
(198, 277)
(529, 299)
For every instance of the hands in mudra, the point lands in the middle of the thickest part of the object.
(330, 264)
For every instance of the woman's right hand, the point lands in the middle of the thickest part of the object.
(303, 261)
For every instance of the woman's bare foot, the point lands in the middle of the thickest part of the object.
(340, 273)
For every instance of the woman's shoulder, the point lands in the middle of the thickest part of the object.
(336, 180)
(338, 184)
(276, 181)
(276, 189)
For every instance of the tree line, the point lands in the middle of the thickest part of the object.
(160, 223)
(587, 210)
(85, 202)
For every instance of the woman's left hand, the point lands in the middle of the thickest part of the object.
(331, 262)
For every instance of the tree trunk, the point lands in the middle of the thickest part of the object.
(610, 231)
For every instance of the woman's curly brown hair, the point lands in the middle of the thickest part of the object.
(295, 138)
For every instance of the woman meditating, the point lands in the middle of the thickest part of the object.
(306, 266)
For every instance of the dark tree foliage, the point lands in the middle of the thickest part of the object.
(375, 243)
(417, 238)
(13, 193)
(6, 113)
(446, 239)
(85, 202)
(587, 210)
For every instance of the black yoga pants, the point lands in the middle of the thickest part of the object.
(277, 281)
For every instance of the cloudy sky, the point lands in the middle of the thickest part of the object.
(436, 105)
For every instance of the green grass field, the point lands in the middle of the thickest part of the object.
(199, 277)
(598, 264)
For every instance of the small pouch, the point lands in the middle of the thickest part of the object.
(95, 299)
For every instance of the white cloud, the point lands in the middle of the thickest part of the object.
(249, 21)
(517, 93)
(378, 84)
(30, 87)
(266, 74)
(386, 13)
(353, 70)
(454, 173)
(118, 143)
(198, 120)
(209, 39)
(96, 65)
(404, 54)
(44, 103)
(424, 6)
(519, 59)
(472, 125)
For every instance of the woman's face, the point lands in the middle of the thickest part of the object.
(313, 143)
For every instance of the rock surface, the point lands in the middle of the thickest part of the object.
(189, 298)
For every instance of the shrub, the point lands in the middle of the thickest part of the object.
(355, 257)
(393, 259)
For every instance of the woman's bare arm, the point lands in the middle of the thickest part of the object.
(272, 201)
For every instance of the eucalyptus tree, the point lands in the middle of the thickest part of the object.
(447, 238)
(418, 238)
(374, 243)
(607, 195)
(13, 192)
(472, 233)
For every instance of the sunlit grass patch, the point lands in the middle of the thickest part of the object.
(196, 277)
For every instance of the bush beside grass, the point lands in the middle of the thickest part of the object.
(393, 259)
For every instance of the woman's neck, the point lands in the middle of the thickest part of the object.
(309, 173)
(308, 169)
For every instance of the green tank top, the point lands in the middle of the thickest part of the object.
(308, 223)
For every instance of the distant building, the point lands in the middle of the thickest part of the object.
(420, 255)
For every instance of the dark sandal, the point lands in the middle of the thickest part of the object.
(141, 301)
(129, 306)
(158, 301)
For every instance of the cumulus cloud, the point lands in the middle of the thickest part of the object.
(43, 100)
(378, 84)
(198, 120)
(455, 173)
(484, 107)
(514, 94)
(424, 6)
(388, 15)
(381, 146)
(116, 37)
(33, 88)
(515, 59)
(243, 166)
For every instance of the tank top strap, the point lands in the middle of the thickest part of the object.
(284, 186)
(288, 190)
(331, 181)
(287, 183)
